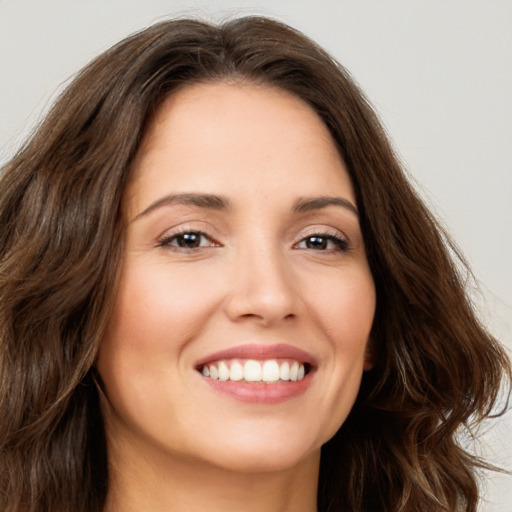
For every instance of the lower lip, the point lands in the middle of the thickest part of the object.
(259, 392)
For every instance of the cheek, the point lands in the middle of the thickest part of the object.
(158, 308)
(345, 308)
(346, 316)
(143, 356)
(155, 316)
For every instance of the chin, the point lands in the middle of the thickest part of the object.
(250, 461)
(260, 451)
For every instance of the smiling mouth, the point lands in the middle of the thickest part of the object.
(269, 371)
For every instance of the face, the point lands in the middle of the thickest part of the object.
(241, 324)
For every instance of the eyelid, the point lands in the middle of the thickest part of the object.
(170, 234)
(325, 232)
(322, 230)
(173, 236)
(186, 226)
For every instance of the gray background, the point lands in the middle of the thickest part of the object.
(438, 72)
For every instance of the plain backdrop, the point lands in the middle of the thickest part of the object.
(438, 72)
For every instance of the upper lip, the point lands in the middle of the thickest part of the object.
(256, 351)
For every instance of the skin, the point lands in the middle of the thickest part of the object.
(256, 276)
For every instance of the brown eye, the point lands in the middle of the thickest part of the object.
(187, 240)
(321, 242)
(316, 242)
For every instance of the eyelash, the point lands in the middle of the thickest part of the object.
(167, 240)
(340, 243)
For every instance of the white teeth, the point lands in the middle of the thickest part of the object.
(268, 371)
(214, 373)
(236, 371)
(252, 371)
(284, 371)
(223, 371)
(294, 370)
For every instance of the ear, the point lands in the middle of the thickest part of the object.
(369, 356)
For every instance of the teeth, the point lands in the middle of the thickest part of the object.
(270, 371)
(214, 373)
(294, 371)
(255, 371)
(236, 372)
(223, 371)
(284, 371)
(252, 371)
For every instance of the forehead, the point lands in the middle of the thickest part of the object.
(210, 136)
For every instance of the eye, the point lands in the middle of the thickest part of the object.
(323, 242)
(187, 240)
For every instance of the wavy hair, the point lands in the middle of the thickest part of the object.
(61, 238)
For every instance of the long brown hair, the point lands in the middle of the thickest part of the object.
(61, 238)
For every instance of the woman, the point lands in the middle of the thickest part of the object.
(219, 290)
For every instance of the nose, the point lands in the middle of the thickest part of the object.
(263, 289)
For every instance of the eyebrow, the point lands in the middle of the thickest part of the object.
(214, 202)
(209, 201)
(307, 204)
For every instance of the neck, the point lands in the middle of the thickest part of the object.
(193, 486)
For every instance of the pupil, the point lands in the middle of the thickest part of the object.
(189, 240)
(317, 242)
